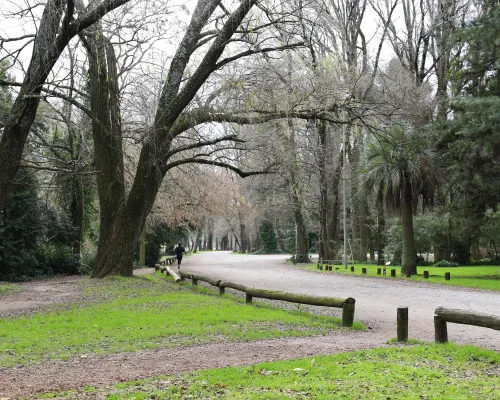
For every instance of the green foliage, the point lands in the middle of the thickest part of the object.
(20, 228)
(267, 236)
(394, 243)
(490, 234)
(33, 240)
(130, 314)
(161, 234)
(471, 139)
(444, 263)
(401, 154)
(428, 371)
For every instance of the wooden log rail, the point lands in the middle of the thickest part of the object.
(458, 316)
(168, 260)
(347, 304)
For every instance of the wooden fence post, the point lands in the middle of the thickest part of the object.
(440, 330)
(352, 269)
(348, 314)
(379, 271)
(426, 274)
(393, 273)
(402, 324)
(447, 276)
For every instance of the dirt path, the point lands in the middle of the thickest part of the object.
(376, 305)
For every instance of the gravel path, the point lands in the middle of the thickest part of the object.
(377, 299)
(376, 303)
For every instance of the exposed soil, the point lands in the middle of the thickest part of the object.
(23, 381)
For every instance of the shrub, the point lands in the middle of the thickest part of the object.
(445, 263)
(267, 236)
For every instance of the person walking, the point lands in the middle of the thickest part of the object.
(178, 252)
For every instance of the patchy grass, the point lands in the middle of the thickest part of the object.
(8, 288)
(149, 312)
(482, 277)
(428, 371)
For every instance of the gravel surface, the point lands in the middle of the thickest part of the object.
(376, 304)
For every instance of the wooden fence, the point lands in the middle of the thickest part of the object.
(347, 304)
(458, 316)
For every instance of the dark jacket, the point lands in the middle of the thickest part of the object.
(179, 250)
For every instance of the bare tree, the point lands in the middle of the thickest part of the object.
(57, 27)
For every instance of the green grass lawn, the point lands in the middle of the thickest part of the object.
(427, 371)
(483, 277)
(7, 287)
(125, 315)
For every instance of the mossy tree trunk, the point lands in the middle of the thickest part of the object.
(408, 261)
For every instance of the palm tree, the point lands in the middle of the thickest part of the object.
(400, 163)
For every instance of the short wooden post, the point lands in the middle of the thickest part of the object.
(363, 270)
(182, 278)
(408, 274)
(248, 299)
(321, 267)
(440, 330)
(402, 324)
(317, 266)
(447, 276)
(222, 290)
(393, 273)
(331, 268)
(348, 314)
(379, 271)
(195, 282)
(426, 274)
(352, 269)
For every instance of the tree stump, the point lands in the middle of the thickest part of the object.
(348, 314)
(440, 330)
(402, 324)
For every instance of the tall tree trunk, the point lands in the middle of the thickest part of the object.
(77, 214)
(108, 151)
(122, 229)
(323, 192)
(210, 236)
(408, 261)
(363, 235)
(380, 239)
(301, 249)
(242, 237)
(333, 210)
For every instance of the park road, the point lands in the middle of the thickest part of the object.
(377, 299)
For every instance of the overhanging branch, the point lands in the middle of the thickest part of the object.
(243, 174)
